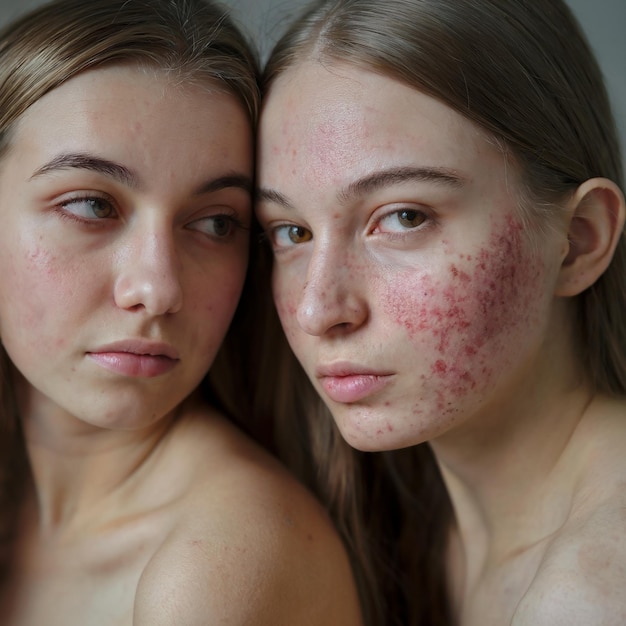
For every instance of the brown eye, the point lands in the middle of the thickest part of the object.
(287, 236)
(297, 234)
(222, 225)
(410, 218)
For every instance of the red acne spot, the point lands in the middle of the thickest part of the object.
(469, 313)
(390, 428)
(440, 367)
(460, 274)
(286, 309)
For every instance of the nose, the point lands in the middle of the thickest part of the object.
(332, 299)
(149, 276)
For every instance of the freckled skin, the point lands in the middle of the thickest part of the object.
(469, 315)
(452, 318)
(68, 288)
(455, 310)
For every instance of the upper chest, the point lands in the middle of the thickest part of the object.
(91, 582)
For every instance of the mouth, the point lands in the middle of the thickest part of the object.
(136, 358)
(348, 384)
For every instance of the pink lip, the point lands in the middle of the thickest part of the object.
(136, 357)
(346, 383)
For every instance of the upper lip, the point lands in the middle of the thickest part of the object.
(141, 347)
(347, 369)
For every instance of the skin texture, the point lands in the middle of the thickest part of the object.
(428, 307)
(119, 282)
(74, 283)
(424, 306)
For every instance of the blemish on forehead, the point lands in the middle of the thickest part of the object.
(328, 147)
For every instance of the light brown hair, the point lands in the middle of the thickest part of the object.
(523, 71)
(189, 40)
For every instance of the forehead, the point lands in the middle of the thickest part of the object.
(128, 113)
(113, 89)
(328, 119)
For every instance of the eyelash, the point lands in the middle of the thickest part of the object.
(272, 234)
(427, 220)
(235, 224)
(94, 221)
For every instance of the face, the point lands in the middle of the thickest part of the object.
(403, 275)
(125, 203)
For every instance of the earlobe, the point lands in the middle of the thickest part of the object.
(595, 227)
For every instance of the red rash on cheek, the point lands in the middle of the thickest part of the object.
(41, 262)
(465, 322)
(39, 282)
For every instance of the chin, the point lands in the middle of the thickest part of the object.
(378, 440)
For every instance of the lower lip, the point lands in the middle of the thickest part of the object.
(137, 365)
(353, 388)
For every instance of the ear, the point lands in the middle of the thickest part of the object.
(596, 223)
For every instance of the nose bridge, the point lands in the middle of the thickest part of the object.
(149, 276)
(331, 296)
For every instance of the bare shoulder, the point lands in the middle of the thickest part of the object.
(250, 545)
(582, 577)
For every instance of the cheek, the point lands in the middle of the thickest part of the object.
(34, 280)
(218, 290)
(213, 298)
(286, 293)
(467, 322)
(38, 298)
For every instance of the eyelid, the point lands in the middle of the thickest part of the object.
(227, 213)
(77, 197)
(273, 228)
(391, 210)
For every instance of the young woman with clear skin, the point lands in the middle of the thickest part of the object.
(441, 185)
(125, 180)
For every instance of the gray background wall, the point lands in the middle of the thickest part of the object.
(603, 20)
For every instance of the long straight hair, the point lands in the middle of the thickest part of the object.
(523, 71)
(189, 40)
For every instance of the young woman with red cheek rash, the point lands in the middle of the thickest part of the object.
(130, 491)
(446, 219)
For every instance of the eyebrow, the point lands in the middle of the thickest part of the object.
(377, 180)
(79, 160)
(128, 177)
(238, 181)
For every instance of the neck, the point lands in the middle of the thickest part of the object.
(80, 471)
(512, 479)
